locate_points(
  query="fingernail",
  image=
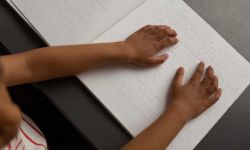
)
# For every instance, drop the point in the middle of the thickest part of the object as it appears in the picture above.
(166, 56)
(210, 68)
(174, 32)
(173, 40)
(181, 69)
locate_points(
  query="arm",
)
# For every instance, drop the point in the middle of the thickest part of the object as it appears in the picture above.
(10, 115)
(52, 62)
(186, 102)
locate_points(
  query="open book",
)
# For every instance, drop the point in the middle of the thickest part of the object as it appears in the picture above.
(137, 96)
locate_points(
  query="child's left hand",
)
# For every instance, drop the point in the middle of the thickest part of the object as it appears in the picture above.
(196, 96)
(146, 42)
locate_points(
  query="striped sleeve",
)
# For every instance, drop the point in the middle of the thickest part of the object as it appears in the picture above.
(29, 137)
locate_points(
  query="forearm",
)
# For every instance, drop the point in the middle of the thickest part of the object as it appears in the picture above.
(158, 135)
(52, 62)
(70, 60)
(186, 102)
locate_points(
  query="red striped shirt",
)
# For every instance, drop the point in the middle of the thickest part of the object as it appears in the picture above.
(29, 137)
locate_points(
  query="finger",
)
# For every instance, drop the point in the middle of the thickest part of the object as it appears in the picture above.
(153, 31)
(212, 87)
(209, 76)
(210, 72)
(167, 41)
(178, 77)
(154, 60)
(164, 27)
(160, 35)
(215, 82)
(168, 30)
(196, 78)
(209, 82)
(145, 28)
(163, 33)
(214, 98)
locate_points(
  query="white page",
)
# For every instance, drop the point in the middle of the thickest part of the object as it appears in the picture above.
(137, 96)
(16, 9)
(63, 22)
(137, 102)
(26, 20)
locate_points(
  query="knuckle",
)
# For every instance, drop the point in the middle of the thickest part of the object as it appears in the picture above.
(156, 45)
(168, 31)
(158, 27)
(147, 27)
(153, 61)
(194, 83)
(165, 27)
(199, 71)
(150, 26)
(195, 78)
(215, 85)
(207, 103)
(165, 32)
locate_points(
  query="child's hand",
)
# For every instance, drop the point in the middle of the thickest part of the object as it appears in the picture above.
(146, 42)
(193, 98)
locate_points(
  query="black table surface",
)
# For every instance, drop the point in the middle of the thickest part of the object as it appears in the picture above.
(230, 18)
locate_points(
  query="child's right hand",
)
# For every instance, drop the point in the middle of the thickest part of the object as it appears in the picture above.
(142, 45)
(193, 98)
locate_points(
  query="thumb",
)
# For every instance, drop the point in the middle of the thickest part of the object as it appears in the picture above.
(177, 81)
(154, 60)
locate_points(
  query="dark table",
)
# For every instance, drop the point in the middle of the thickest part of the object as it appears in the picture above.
(230, 18)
